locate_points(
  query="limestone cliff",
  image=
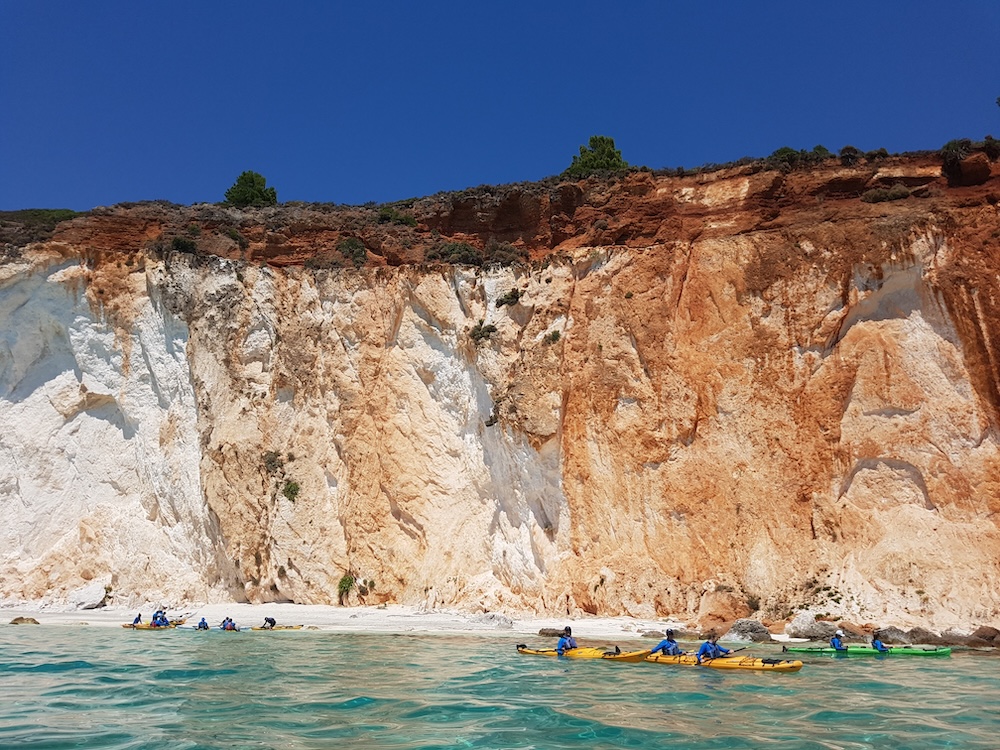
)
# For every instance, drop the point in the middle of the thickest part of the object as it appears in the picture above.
(740, 392)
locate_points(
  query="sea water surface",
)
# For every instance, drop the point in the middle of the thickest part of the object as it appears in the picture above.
(88, 687)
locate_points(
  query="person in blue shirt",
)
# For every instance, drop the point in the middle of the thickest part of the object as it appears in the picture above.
(138, 619)
(668, 645)
(711, 649)
(836, 643)
(203, 625)
(877, 643)
(566, 642)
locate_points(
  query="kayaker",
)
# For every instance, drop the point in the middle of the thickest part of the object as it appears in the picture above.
(137, 620)
(229, 624)
(836, 643)
(566, 642)
(668, 645)
(269, 623)
(877, 643)
(203, 625)
(711, 649)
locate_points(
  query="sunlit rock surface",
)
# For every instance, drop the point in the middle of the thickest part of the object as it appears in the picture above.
(741, 393)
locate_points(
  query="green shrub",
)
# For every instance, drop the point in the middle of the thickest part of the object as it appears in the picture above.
(991, 146)
(29, 225)
(952, 154)
(183, 245)
(600, 156)
(551, 337)
(42, 218)
(849, 156)
(786, 158)
(344, 587)
(353, 250)
(392, 215)
(250, 189)
(877, 155)
(458, 253)
(233, 234)
(291, 490)
(503, 253)
(482, 332)
(879, 195)
(273, 462)
(510, 298)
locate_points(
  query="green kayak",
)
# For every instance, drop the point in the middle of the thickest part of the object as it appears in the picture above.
(869, 651)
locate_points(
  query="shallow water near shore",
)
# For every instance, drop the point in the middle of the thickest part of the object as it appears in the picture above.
(64, 687)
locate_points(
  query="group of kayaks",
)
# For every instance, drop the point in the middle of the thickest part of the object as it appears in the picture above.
(180, 623)
(733, 660)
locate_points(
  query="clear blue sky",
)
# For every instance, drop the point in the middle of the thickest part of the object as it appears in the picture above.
(349, 102)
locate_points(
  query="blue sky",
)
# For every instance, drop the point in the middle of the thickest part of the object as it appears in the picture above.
(105, 102)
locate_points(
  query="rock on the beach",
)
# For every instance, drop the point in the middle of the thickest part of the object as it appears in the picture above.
(923, 635)
(986, 632)
(748, 630)
(24, 621)
(894, 635)
(496, 620)
(90, 597)
(550, 632)
(806, 625)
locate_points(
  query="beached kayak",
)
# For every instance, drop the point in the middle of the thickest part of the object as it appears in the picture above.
(869, 651)
(147, 626)
(730, 662)
(279, 627)
(584, 652)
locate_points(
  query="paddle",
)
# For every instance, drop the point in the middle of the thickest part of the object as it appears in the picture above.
(724, 656)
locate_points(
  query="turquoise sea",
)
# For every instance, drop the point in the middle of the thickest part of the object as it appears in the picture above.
(92, 687)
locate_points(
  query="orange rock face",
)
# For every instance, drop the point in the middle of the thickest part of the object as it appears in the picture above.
(716, 396)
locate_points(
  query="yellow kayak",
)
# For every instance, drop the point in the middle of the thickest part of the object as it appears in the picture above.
(587, 652)
(730, 662)
(147, 626)
(279, 627)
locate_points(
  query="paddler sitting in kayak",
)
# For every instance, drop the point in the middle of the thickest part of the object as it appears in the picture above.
(877, 643)
(203, 625)
(836, 643)
(566, 642)
(668, 646)
(711, 649)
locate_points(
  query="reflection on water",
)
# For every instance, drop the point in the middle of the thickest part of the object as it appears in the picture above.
(95, 687)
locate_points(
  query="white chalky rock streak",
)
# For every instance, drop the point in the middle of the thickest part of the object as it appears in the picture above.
(99, 474)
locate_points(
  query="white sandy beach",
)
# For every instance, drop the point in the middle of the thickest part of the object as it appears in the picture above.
(373, 619)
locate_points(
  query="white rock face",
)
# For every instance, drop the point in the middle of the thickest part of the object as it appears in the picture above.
(642, 434)
(100, 469)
